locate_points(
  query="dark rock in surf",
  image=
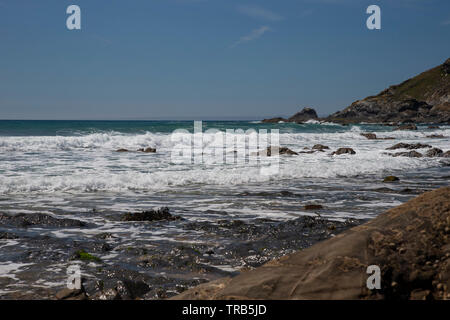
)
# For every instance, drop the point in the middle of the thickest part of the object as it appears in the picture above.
(147, 150)
(434, 152)
(409, 154)
(122, 150)
(33, 219)
(408, 146)
(410, 126)
(150, 215)
(320, 147)
(313, 207)
(343, 151)
(391, 179)
(279, 150)
(370, 136)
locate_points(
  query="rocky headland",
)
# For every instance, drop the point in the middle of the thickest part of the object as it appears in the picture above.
(424, 98)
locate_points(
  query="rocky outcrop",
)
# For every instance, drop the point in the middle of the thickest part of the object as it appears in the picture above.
(147, 150)
(343, 151)
(391, 179)
(38, 219)
(150, 215)
(373, 136)
(410, 244)
(320, 147)
(409, 126)
(434, 152)
(276, 150)
(424, 98)
(409, 154)
(302, 116)
(370, 136)
(410, 146)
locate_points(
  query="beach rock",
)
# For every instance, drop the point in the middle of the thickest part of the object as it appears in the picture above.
(410, 126)
(304, 115)
(147, 150)
(320, 147)
(408, 146)
(370, 136)
(281, 150)
(284, 150)
(436, 136)
(409, 154)
(434, 152)
(122, 150)
(108, 294)
(34, 219)
(391, 179)
(433, 127)
(71, 294)
(399, 241)
(343, 151)
(150, 215)
(130, 290)
(104, 235)
(313, 207)
(446, 154)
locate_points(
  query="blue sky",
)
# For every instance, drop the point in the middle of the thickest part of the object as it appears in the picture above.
(209, 59)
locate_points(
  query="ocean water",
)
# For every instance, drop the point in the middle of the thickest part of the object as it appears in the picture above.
(72, 165)
(71, 169)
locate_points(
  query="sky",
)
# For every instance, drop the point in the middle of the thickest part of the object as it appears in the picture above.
(209, 59)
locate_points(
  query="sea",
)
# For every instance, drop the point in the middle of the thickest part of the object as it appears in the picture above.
(71, 169)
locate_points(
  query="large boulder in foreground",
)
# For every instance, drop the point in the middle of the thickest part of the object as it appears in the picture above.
(410, 244)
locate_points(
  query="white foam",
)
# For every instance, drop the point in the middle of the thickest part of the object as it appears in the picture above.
(92, 165)
(9, 268)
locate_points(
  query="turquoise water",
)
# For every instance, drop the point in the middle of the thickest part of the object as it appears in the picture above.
(71, 127)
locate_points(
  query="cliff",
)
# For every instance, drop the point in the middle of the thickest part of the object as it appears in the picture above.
(424, 98)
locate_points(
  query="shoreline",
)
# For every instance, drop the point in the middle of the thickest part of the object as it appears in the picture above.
(410, 244)
(212, 230)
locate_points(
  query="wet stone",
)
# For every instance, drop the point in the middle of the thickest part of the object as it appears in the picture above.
(38, 219)
(150, 215)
